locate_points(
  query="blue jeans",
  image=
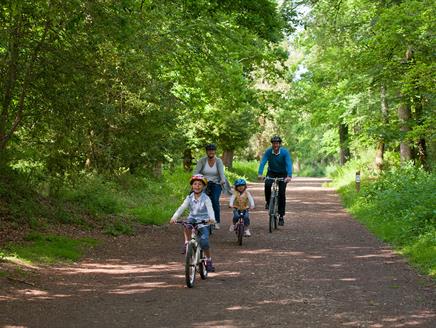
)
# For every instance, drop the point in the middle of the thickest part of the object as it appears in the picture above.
(204, 237)
(214, 192)
(236, 217)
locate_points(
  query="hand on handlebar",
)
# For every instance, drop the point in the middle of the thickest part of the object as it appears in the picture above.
(288, 179)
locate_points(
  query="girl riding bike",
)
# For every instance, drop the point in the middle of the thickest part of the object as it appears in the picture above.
(241, 200)
(200, 209)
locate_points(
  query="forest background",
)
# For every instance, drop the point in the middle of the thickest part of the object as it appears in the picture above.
(103, 102)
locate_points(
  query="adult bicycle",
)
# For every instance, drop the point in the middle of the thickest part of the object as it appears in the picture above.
(273, 206)
(195, 261)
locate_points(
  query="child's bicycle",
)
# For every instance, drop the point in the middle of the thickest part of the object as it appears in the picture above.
(239, 226)
(194, 258)
(274, 203)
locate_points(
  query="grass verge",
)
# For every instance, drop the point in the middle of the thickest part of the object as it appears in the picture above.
(399, 208)
(48, 249)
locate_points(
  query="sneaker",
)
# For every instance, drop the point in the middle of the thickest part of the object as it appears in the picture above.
(209, 266)
(266, 206)
(247, 233)
(232, 228)
(217, 226)
(281, 220)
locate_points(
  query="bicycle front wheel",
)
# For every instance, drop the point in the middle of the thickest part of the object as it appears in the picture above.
(272, 214)
(240, 233)
(190, 266)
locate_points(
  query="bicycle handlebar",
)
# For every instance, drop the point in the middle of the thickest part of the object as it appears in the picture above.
(278, 179)
(192, 224)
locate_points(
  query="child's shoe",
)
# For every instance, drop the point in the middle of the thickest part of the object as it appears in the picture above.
(247, 233)
(217, 226)
(232, 228)
(209, 266)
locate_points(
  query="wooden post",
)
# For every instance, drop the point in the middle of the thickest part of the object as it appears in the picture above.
(358, 181)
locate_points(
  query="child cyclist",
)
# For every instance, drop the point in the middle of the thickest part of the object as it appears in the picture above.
(241, 200)
(200, 209)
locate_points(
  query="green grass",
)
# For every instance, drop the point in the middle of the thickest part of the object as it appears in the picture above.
(47, 248)
(399, 208)
(243, 169)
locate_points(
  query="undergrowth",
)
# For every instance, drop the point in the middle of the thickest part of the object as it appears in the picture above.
(398, 207)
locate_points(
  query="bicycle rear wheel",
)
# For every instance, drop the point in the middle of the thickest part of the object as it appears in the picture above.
(202, 266)
(239, 232)
(190, 266)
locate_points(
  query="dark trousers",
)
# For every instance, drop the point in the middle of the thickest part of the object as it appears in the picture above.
(282, 191)
(214, 192)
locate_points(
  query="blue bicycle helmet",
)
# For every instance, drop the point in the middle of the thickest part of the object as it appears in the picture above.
(240, 182)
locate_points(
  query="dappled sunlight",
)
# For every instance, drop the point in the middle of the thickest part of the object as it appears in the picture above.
(217, 324)
(119, 269)
(143, 287)
(412, 320)
(277, 253)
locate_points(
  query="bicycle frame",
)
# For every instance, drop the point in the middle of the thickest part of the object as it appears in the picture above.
(273, 203)
(240, 226)
(194, 258)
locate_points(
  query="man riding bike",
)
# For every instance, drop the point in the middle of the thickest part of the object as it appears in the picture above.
(279, 166)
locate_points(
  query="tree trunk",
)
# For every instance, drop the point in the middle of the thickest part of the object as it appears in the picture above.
(344, 151)
(421, 146)
(158, 169)
(404, 115)
(228, 158)
(187, 160)
(379, 155)
(297, 165)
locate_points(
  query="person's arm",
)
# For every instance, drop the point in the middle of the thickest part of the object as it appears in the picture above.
(288, 161)
(251, 200)
(180, 210)
(210, 211)
(232, 200)
(199, 166)
(263, 162)
(220, 167)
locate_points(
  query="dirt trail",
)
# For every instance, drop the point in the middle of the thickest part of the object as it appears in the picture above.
(322, 269)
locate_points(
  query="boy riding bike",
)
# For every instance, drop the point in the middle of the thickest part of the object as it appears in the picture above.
(200, 209)
(241, 200)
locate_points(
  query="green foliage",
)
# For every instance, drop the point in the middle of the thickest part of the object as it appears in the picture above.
(43, 248)
(243, 169)
(399, 207)
(108, 86)
(94, 194)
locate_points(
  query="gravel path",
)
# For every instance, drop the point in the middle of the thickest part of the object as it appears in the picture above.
(322, 269)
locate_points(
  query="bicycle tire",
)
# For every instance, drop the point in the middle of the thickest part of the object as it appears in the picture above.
(190, 266)
(202, 266)
(276, 213)
(240, 233)
(272, 214)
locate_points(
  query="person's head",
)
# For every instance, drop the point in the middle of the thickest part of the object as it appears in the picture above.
(240, 185)
(198, 182)
(211, 150)
(276, 142)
